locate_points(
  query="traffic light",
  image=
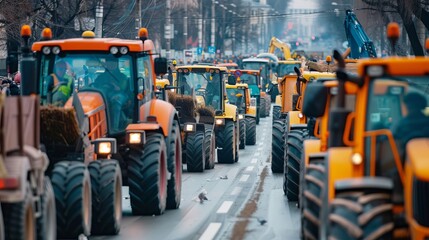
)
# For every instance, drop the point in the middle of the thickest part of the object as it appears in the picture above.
(12, 63)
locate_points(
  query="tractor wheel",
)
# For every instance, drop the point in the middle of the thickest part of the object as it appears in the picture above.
(19, 218)
(237, 142)
(210, 147)
(46, 223)
(267, 106)
(72, 189)
(195, 152)
(106, 189)
(147, 177)
(174, 166)
(311, 200)
(361, 215)
(263, 108)
(295, 143)
(242, 134)
(250, 131)
(276, 112)
(277, 145)
(225, 140)
(258, 115)
(2, 233)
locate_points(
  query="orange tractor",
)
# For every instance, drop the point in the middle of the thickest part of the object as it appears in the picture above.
(374, 180)
(118, 132)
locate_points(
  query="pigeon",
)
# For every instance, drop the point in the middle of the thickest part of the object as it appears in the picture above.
(202, 196)
(262, 221)
(224, 177)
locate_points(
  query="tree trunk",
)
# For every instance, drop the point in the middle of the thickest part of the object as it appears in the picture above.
(410, 28)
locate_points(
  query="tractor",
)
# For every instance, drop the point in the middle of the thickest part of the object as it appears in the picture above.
(253, 80)
(109, 133)
(26, 194)
(239, 95)
(375, 180)
(205, 86)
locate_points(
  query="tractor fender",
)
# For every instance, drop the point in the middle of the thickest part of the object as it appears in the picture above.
(295, 121)
(278, 100)
(231, 112)
(164, 114)
(251, 111)
(311, 146)
(16, 166)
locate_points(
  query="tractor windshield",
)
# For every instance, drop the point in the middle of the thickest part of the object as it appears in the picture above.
(203, 82)
(286, 69)
(259, 66)
(237, 96)
(250, 79)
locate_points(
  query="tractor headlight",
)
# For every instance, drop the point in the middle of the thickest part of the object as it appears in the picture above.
(105, 146)
(240, 116)
(300, 115)
(56, 50)
(375, 71)
(357, 159)
(136, 137)
(190, 127)
(123, 50)
(46, 50)
(220, 121)
(114, 50)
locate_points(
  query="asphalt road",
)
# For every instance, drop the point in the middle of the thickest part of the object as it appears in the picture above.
(245, 201)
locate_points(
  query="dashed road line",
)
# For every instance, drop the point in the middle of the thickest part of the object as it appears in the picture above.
(249, 168)
(236, 191)
(224, 208)
(257, 154)
(244, 178)
(254, 160)
(211, 231)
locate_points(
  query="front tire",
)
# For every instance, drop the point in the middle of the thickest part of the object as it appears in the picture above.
(20, 220)
(251, 131)
(195, 152)
(263, 108)
(210, 147)
(46, 224)
(295, 143)
(174, 162)
(106, 189)
(225, 140)
(276, 112)
(277, 152)
(242, 134)
(147, 171)
(72, 189)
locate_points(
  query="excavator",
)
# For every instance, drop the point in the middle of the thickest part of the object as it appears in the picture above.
(360, 45)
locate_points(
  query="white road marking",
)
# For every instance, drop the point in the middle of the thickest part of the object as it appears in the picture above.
(244, 178)
(236, 191)
(254, 160)
(260, 148)
(211, 231)
(249, 168)
(257, 154)
(224, 208)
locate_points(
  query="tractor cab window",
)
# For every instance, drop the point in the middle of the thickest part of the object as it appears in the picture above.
(236, 96)
(287, 69)
(144, 76)
(259, 66)
(250, 79)
(203, 82)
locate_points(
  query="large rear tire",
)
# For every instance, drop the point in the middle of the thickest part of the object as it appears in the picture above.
(361, 215)
(312, 200)
(72, 189)
(174, 165)
(20, 219)
(250, 131)
(147, 177)
(210, 147)
(2, 233)
(267, 105)
(277, 147)
(195, 152)
(242, 134)
(295, 143)
(225, 140)
(46, 224)
(263, 108)
(106, 189)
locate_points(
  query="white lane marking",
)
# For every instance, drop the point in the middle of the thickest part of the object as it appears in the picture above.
(224, 208)
(260, 148)
(257, 154)
(249, 168)
(261, 143)
(244, 178)
(254, 160)
(236, 191)
(211, 231)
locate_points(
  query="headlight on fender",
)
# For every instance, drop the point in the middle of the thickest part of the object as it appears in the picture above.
(136, 137)
(240, 116)
(220, 121)
(300, 115)
(105, 146)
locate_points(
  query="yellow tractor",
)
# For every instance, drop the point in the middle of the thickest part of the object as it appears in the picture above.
(239, 95)
(204, 85)
(111, 131)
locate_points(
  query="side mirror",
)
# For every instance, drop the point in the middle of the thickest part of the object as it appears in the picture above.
(316, 97)
(232, 80)
(160, 66)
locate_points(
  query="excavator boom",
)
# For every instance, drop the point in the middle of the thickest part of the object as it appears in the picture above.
(360, 44)
(284, 47)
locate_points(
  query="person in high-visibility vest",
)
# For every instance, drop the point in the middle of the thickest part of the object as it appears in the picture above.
(62, 84)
